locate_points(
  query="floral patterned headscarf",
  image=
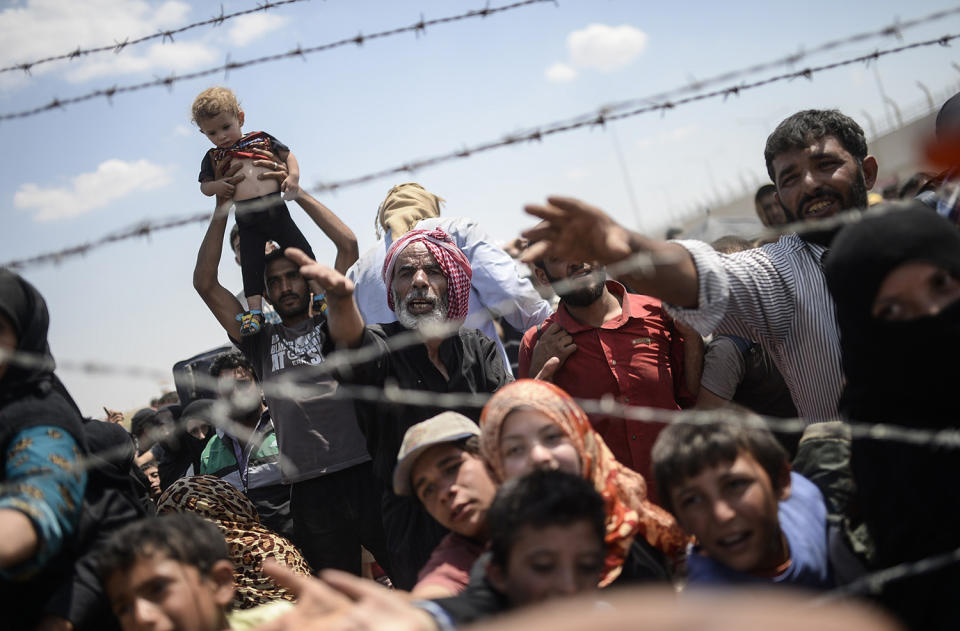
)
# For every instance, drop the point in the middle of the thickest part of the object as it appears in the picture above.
(624, 491)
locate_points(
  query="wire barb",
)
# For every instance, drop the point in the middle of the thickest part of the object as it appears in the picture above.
(163, 35)
(607, 113)
(357, 40)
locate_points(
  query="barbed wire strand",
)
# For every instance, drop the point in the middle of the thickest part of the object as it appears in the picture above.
(299, 52)
(162, 35)
(294, 387)
(894, 29)
(874, 582)
(597, 118)
(223, 410)
(608, 114)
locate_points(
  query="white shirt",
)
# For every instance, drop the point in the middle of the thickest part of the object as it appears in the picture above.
(496, 285)
(776, 295)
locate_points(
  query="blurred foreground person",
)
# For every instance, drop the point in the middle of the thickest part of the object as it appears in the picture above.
(65, 480)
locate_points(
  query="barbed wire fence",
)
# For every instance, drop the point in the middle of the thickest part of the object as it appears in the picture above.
(163, 35)
(597, 118)
(292, 386)
(299, 385)
(299, 52)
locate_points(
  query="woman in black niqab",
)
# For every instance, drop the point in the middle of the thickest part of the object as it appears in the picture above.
(903, 371)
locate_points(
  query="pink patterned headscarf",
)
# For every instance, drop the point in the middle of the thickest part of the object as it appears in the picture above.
(453, 262)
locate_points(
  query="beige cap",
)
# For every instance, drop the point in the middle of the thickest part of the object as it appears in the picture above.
(446, 427)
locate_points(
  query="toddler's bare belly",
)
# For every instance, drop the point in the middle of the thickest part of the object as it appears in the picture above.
(250, 187)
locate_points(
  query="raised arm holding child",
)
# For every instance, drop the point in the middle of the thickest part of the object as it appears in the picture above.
(261, 212)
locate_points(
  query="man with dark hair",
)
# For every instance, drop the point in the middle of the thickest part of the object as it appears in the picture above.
(427, 280)
(768, 207)
(244, 452)
(775, 295)
(612, 343)
(440, 464)
(333, 496)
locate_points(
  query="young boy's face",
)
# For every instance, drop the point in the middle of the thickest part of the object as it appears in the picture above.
(551, 561)
(223, 130)
(732, 511)
(160, 594)
(455, 488)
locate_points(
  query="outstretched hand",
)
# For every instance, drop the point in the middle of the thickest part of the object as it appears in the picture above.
(335, 284)
(317, 604)
(340, 601)
(573, 230)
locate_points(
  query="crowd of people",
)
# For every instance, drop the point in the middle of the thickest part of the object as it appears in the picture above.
(427, 437)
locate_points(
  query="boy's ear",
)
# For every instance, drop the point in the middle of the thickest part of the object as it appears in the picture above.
(240, 118)
(497, 577)
(783, 482)
(221, 574)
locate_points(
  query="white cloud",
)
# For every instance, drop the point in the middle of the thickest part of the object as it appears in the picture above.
(247, 28)
(599, 47)
(113, 180)
(561, 73)
(42, 28)
(606, 48)
(184, 130)
(163, 57)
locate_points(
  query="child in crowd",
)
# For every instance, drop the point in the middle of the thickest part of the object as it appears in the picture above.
(261, 213)
(440, 463)
(174, 572)
(728, 483)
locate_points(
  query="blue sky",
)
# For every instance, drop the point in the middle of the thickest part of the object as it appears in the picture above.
(79, 173)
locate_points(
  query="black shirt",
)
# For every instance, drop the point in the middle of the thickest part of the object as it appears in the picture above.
(473, 363)
(471, 359)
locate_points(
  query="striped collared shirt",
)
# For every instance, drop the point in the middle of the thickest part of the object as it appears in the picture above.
(776, 295)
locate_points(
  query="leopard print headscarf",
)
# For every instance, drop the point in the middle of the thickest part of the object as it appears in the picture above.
(248, 541)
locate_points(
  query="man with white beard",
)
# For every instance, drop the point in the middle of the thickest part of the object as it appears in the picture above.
(428, 284)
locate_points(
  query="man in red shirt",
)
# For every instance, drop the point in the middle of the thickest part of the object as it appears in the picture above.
(611, 343)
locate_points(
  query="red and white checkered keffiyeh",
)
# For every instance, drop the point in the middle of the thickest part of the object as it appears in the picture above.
(453, 262)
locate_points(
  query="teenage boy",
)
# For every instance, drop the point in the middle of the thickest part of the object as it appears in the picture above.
(174, 573)
(728, 483)
(439, 462)
(546, 540)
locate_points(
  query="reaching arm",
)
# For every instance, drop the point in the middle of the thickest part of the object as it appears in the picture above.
(575, 231)
(290, 186)
(221, 302)
(343, 316)
(343, 238)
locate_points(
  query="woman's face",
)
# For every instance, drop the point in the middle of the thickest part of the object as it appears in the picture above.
(913, 290)
(530, 440)
(8, 340)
